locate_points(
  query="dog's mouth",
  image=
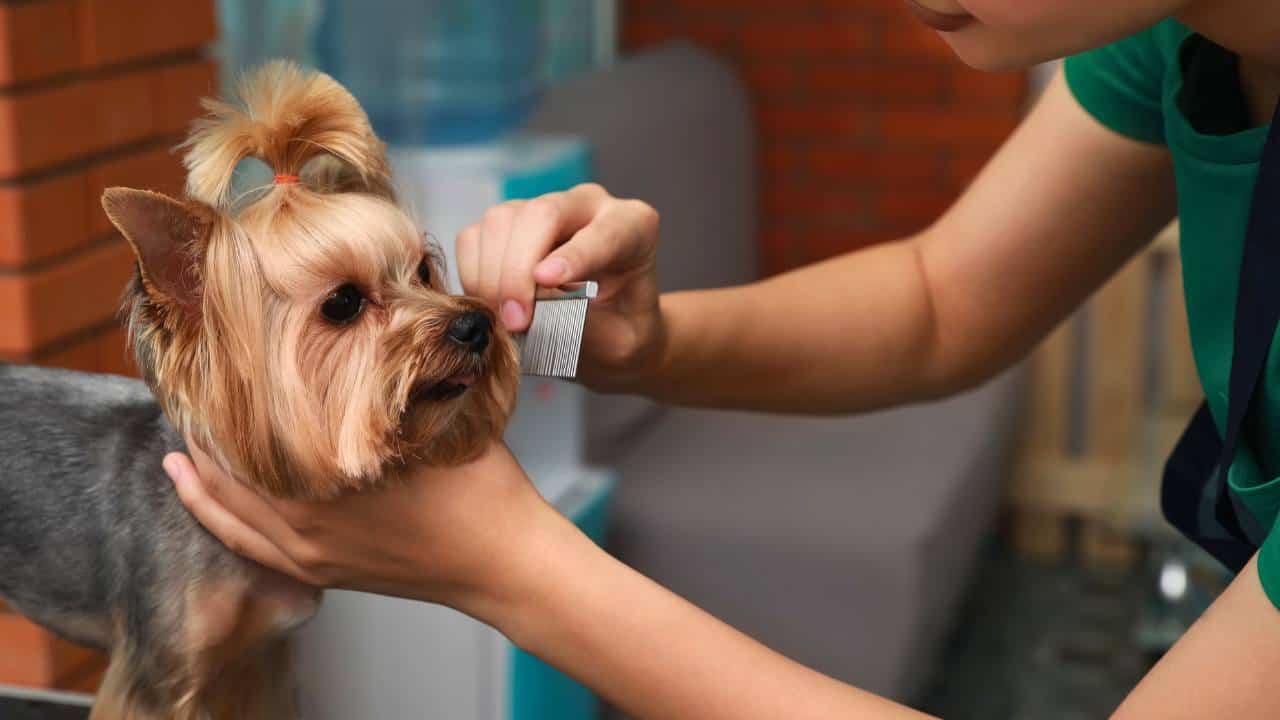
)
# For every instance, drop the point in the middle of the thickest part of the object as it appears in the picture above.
(452, 387)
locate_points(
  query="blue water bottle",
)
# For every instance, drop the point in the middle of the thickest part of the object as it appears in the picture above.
(437, 72)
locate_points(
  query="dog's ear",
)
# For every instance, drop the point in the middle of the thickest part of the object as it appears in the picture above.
(169, 237)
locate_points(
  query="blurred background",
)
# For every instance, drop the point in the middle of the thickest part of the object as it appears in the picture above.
(996, 555)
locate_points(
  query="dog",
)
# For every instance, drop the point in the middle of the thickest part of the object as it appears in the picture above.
(302, 338)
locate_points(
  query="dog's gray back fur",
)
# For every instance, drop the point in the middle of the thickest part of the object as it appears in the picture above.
(90, 525)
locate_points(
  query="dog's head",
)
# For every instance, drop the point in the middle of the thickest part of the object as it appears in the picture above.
(306, 339)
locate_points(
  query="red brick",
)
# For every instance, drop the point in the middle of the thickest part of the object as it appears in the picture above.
(47, 38)
(157, 169)
(911, 210)
(639, 34)
(917, 42)
(86, 677)
(125, 109)
(950, 127)
(814, 36)
(114, 31)
(178, 91)
(881, 82)
(715, 36)
(864, 9)
(784, 160)
(781, 251)
(854, 99)
(772, 253)
(847, 121)
(52, 215)
(81, 292)
(820, 244)
(102, 352)
(963, 167)
(634, 10)
(15, 325)
(738, 7)
(878, 167)
(24, 652)
(42, 218)
(44, 127)
(41, 128)
(113, 353)
(783, 201)
(1000, 89)
(81, 355)
(31, 656)
(771, 79)
(37, 40)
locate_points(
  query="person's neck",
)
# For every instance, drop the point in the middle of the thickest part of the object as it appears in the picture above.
(1251, 29)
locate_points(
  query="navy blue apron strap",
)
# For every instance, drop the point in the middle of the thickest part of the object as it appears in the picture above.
(1257, 314)
(1189, 492)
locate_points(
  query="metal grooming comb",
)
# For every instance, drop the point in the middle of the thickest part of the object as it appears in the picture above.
(550, 347)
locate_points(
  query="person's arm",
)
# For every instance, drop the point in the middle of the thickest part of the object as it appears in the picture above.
(1223, 667)
(531, 574)
(1061, 206)
(656, 655)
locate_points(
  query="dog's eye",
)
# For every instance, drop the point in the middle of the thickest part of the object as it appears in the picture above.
(424, 270)
(343, 305)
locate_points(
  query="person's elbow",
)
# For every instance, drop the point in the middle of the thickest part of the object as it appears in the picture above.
(957, 349)
(965, 356)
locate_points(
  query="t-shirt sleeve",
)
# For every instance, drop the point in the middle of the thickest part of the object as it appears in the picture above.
(1121, 85)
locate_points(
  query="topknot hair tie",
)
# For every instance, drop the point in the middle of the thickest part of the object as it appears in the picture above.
(286, 179)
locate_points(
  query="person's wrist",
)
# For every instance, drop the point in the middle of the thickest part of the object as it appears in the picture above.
(656, 364)
(525, 599)
(634, 360)
(659, 366)
(480, 573)
(652, 363)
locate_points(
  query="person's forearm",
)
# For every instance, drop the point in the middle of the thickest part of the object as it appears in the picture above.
(655, 655)
(851, 334)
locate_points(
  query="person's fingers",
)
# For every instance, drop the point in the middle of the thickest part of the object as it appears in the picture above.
(238, 536)
(533, 233)
(495, 235)
(623, 237)
(246, 504)
(540, 225)
(467, 251)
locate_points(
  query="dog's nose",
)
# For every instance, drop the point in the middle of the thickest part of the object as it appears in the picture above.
(471, 330)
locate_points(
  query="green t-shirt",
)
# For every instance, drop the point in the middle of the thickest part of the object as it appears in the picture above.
(1171, 86)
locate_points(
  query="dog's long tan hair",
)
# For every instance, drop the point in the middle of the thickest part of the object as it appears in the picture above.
(232, 342)
(287, 118)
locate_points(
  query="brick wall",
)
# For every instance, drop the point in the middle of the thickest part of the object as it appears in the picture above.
(93, 93)
(869, 127)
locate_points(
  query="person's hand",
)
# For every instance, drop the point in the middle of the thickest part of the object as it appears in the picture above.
(457, 536)
(582, 234)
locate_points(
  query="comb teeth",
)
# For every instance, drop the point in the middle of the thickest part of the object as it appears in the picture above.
(550, 347)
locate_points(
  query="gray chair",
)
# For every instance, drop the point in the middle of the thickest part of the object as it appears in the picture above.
(842, 542)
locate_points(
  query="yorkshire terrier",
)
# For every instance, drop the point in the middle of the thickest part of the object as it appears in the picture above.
(303, 339)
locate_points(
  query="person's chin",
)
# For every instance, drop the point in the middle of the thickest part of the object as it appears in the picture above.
(981, 48)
